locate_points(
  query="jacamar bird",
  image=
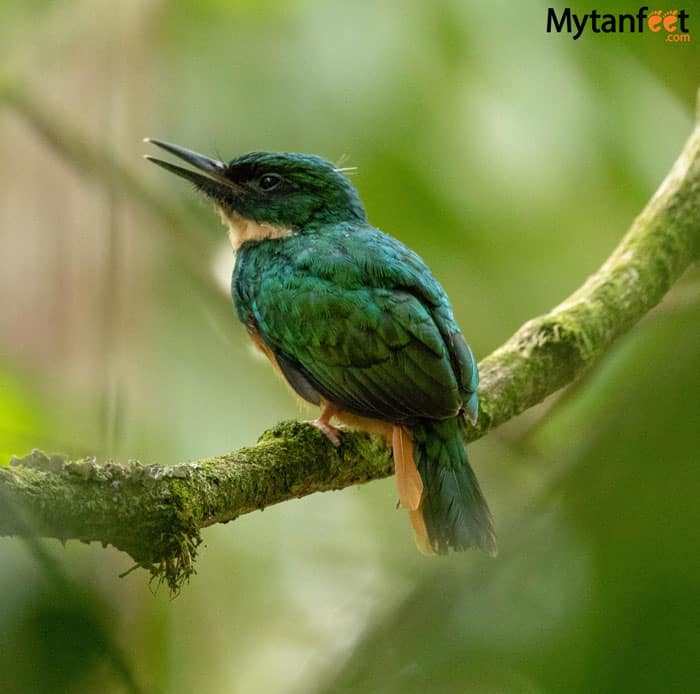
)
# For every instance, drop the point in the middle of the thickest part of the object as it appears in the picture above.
(356, 323)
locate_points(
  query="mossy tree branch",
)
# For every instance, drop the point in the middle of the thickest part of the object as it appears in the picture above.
(155, 513)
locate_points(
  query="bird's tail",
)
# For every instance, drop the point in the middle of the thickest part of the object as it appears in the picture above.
(452, 512)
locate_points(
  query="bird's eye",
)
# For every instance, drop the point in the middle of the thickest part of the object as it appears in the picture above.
(269, 182)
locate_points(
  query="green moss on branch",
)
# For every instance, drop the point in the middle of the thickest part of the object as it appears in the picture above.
(155, 512)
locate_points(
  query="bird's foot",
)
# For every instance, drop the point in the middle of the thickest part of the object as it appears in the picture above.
(328, 430)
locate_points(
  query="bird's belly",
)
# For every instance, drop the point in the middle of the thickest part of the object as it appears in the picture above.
(368, 424)
(295, 380)
(259, 344)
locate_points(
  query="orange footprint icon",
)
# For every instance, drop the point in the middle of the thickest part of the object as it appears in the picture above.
(670, 20)
(655, 20)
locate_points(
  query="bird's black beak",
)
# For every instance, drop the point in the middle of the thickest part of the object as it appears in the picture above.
(215, 184)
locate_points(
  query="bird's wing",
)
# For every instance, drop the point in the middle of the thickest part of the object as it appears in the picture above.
(406, 269)
(362, 329)
(373, 352)
(414, 272)
(468, 373)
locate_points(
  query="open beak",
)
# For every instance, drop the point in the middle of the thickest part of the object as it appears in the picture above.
(215, 184)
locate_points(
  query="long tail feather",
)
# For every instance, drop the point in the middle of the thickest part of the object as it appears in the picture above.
(454, 512)
(408, 479)
(420, 532)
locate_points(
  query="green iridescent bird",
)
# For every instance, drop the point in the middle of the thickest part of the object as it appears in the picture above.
(356, 323)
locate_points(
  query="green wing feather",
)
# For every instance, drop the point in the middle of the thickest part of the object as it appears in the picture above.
(362, 319)
(370, 351)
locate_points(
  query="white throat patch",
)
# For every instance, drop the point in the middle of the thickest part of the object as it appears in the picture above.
(241, 229)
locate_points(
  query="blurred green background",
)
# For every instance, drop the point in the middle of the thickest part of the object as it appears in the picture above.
(512, 160)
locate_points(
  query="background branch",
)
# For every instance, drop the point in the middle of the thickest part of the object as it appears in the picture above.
(155, 513)
(100, 165)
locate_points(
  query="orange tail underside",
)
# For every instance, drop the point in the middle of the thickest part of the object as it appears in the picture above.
(408, 479)
(410, 484)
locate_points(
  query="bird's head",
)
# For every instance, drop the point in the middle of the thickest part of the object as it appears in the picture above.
(263, 194)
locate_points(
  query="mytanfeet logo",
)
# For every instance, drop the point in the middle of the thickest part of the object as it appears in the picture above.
(672, 24)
